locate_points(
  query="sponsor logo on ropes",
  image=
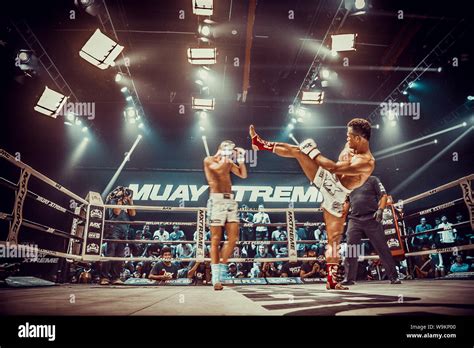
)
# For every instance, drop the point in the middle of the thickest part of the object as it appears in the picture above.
(95, 224)
(50, 204)
(387, 222)
(18, 210)
(201, 225)
(4, 154)
(94, 235)
(96, 213)
(194, 193)
(290, 221)
(393, 243)
(92, 248)
(389, 231)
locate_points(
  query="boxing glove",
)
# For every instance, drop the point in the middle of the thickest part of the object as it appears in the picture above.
(309, 147)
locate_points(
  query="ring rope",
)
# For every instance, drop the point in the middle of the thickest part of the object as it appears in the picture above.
(435, 209)
(436, 229)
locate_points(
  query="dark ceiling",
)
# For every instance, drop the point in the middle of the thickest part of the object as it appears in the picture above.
(156, 40)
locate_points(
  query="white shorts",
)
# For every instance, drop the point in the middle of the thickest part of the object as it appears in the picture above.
(334, 194)
(221, 208)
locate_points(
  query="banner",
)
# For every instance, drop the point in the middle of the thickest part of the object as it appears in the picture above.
(391, 229)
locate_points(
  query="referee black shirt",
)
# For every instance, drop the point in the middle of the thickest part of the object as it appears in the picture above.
(364, 201)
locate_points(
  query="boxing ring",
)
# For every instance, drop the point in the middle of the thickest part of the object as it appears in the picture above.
(241, 296)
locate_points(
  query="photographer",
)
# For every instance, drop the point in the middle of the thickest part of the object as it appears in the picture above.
(110, 270)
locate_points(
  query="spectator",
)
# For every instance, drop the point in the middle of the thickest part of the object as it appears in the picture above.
(262, 252)
(249, 250)
(320, 235)
(424, 267)
(261, 232)
(256, 271)
(291, 269)
(111, 270)
(301, 234)
(269, 270)
(280, 249)
(376, 271)
(447, 238)
(234, 271)
(421, 240)
(437, 263)
(207, 235)
(276, 234)
(311, 268)
(162, 234)
(184, 251)
(459, 265)
(139, 271)
(164, 270)
(138, 249)
(246, 233)
(437, 222)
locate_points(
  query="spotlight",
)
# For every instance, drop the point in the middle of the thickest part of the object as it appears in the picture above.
(204, 29)
(199, 82)
(26, 61)
(92, 7)
(440, 69)
(411, 84)
(300, 119)
(391, 115)
(435, 141)
(300, 112)
(100, 50)
(325, 73)
(141, 125)
(470, 97)
(50, 103)
(393, 123)
(377, 126)
(203, 7)
(359, 4)
(124, 89)
(129, 98)
(293, 120)
(70, 116)
(315, 97)
(464, 124)
(118, 77)
(78, 122)
(202, 55)
(203, 104)
(324, 83)
(130, 114)
(203, 115)
(84, 129)
(291, 126)
(343, 42)
(290, 135)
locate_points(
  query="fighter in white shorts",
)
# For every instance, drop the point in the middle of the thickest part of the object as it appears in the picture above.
(334, 179)
(222, 209)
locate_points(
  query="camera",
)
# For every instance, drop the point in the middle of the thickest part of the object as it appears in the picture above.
(120, 193)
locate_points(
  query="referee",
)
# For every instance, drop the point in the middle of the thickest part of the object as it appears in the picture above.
(365, 206)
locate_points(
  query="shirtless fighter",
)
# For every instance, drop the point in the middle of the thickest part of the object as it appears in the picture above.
(222, 209)
(335, 180)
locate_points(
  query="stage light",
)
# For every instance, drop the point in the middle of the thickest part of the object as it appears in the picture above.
(203, 7)
(391, 114)
(324, 83)
(343, 42)
(203, 103)
(334, 53)
(118, 77)
(141, 125)
(26, 61)
(124, 89)
(393, 123)
(300, 112)
(50, 103)
(440, 69)
(300, 119)
(203, 115)
(294, 120)
(100, 50)
(316, 97)
(202, 55)
(291, 126)
(404, 92)
(325, 73)
(359, 4)
(78, 122)
(464, 124)
(85, 129)
(199, 82)
(92, 7)
(204, 29)
(130, 114)
(129, 98)
(470, 97)
(411, 84)
(377, 126)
